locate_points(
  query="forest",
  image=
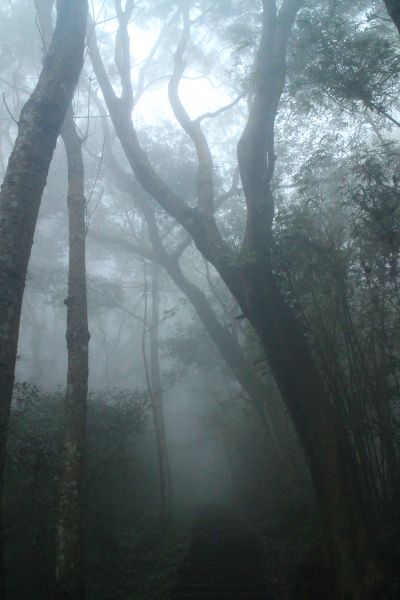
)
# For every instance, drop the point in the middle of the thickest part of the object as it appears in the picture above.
(200, 299)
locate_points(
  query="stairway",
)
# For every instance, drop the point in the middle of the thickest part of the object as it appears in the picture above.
(223, 561)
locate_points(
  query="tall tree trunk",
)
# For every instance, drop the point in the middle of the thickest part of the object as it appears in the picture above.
(157, 398)
(38, 128)
(318, 425)
(317, 421)
(69, 571)
(69, 561)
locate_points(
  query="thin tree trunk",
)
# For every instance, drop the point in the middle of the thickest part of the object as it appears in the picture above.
(36, 373)
(38, 128)
(266, 403)
(157, 398)
(69, 579)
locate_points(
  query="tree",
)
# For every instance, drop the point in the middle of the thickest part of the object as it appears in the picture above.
(266, 401)
(39, 126)
(249, 274)
(69, 560)
(156, 398)
(393, 8)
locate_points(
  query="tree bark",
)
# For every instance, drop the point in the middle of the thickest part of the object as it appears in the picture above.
(38, 128)
(69, 576)
(317, 422)
(69, 571)
(393, 8)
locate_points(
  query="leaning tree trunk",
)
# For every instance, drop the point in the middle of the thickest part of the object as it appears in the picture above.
(69, 572)
(266, 401)
(157, 399)
(318, 425)
(69, 580)
(393, 8)
(38, 128)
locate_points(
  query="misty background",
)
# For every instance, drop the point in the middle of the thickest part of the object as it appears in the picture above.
(335, 255)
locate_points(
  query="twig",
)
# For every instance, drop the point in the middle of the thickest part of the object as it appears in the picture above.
(8, 110)
(216, 113)
(88, 216)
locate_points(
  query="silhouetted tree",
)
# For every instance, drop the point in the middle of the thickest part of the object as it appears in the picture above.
(39, 126)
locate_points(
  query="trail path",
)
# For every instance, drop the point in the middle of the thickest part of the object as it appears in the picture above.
(223, 561)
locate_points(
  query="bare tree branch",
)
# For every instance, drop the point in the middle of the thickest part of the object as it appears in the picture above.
(205, 183)
(219, 111)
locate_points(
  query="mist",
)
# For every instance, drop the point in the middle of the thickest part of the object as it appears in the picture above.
(199, 299)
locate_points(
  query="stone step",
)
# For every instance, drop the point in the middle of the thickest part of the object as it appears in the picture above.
(220, 595)
(223, 569)
(223, 561)
(220, 587)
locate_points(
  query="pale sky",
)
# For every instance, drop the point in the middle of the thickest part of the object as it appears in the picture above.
(198, 96)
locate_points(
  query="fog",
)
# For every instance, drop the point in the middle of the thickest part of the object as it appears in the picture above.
(199, 299)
